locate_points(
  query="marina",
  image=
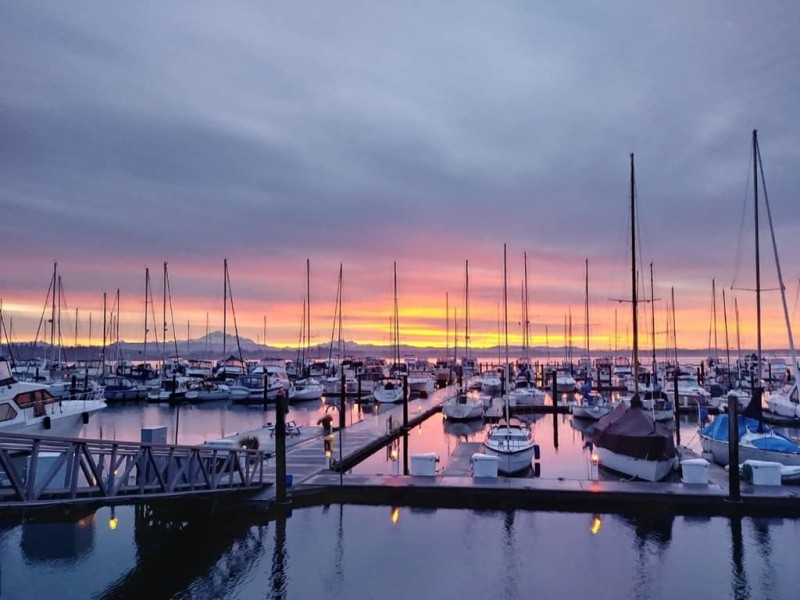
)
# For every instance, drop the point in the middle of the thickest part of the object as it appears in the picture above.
(388, 301)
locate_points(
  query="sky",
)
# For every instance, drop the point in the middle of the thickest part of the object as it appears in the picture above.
(365, 134)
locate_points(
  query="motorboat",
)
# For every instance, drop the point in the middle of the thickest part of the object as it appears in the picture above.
(304, 390)
(27, 407)
(207, 391)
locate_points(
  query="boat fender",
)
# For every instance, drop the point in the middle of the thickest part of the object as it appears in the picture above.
(85, 417)
(536, 453)
(47, 423)
(537, 469)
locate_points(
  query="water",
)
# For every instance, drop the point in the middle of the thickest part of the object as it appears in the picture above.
(353, 552)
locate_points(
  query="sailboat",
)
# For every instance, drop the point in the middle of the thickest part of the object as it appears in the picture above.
(510, 440)
(653, 398)
(758, 441)
(591, 404)
(629, 440)
(305, 387)
(524, 391)
(465, 405)
(390, 390)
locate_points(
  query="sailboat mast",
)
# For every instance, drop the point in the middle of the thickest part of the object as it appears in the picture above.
(396, 321)
(634, 295)
(447, 323)
(527, 338)
(653, 321)
(341, 301)
(466, 313)
(586, 313)
(164, 326)
(76, 334)
(758, 256)
(224, 307)
(53, 314)
(714, 310)
(674, 327)
(738, 343)
(146, 296)
(727, 345)
(103, 351)
(778, 266)
(505, 316)
(308, 310)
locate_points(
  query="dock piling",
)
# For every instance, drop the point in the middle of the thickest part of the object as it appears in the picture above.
(734, 493)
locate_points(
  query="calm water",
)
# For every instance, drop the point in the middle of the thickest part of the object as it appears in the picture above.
(381, 552)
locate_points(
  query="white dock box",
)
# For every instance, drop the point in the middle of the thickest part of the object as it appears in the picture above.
(695, 470)
(762, 472)
(424, 464)
(484, 465)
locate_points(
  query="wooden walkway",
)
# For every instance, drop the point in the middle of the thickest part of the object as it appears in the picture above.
(305, 452)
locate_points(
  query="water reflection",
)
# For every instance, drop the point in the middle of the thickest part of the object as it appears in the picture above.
(653, 533)
(463, 429)
(762, 528)
(739, 587)
(278, 579)
(175, 552)
(47, 539)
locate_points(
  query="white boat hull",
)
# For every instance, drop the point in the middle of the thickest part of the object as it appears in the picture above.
(64, 421)
(456, 411)
(511, 462)
(526, 397)
(391, 396)
(649, 470)
(207, 396)
(582, 411)
(719, 452)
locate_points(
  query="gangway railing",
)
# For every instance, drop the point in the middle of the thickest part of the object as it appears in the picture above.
(38, 470)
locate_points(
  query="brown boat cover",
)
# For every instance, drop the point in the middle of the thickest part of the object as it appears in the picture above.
(633, 432)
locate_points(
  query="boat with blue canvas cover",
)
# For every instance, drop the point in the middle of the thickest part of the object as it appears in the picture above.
(757, 441)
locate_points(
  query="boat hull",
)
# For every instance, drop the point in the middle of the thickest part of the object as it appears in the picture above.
(511, 463)
(649, 470)
(582, 411)
(67, 423)
(719, 452)
(458, 411)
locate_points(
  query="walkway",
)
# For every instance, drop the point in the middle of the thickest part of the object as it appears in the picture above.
(305, 452)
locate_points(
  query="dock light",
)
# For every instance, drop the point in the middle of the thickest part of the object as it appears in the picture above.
(393, 455)
(595, 459)
(395, 514)
(596, 523)
(113, 521)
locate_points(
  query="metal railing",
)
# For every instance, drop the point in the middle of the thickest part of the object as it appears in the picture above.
(46, 470)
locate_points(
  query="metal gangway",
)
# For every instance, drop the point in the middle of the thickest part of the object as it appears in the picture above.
(40, 471)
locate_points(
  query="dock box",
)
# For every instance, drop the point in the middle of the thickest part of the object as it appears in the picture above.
(484, 465)
(762, 472)
(424, 464)
(695, 470)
